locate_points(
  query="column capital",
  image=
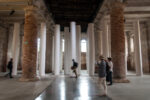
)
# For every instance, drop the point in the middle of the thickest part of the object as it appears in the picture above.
(30, 8)
(117, 4)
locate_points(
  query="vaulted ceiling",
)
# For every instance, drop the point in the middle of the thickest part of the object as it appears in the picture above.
(80, 11)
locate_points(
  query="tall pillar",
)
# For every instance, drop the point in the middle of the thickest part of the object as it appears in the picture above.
(49, 41)
(73, 39)
(53, 55)
(29, 45)
(42, 49)
(67, 60)
(57, 50)
(78, 47)
(16, 47)
(61, 53)
(105, 40)
(100, 42)
(137, 46)
(91, 49)
(118, 40)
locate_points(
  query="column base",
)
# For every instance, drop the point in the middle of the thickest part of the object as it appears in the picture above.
(121, 81)
(29, 79)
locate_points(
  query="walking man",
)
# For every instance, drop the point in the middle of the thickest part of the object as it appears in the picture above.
(74, 67)
(10, 67)
(102, 74)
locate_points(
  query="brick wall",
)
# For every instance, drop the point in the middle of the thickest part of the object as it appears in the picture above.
(3, 48)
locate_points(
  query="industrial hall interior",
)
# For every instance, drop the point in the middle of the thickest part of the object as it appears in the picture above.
(74, 49)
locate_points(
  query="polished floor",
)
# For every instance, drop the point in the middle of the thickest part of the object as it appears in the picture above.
(66, 88)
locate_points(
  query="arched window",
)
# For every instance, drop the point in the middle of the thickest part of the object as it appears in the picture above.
(83, 45)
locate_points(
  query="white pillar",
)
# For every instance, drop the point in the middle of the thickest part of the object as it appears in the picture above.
(91, 49)
(73, 40)
(100, 42)
(105, 40)
(15, 47)
(42, 49)
(57, 50)
(53, 54)
(126, 52)
(137, 45)
(78, 47)
(109, 41)
(67, 58)
(61, 53)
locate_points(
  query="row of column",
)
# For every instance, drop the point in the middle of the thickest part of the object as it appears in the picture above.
(72, 48)
(73, 45)
(114, 44)
(29, 58)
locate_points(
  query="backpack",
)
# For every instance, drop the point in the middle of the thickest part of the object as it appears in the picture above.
(75, 64)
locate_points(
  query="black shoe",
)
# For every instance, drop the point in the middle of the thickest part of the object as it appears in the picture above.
(109, 84)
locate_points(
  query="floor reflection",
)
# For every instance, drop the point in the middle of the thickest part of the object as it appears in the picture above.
(65, 88)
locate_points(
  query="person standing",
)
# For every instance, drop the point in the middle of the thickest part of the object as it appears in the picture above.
(10, 67)
(110, 64)
(102, 74)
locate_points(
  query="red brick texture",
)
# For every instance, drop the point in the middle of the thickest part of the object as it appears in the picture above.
(118, 39)
(29, 45)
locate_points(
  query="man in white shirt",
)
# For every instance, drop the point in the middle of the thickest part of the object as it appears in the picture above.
(110, 64)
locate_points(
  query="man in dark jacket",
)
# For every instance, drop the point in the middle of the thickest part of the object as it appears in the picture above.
(102, 74)
(10, 67)
(74, 67)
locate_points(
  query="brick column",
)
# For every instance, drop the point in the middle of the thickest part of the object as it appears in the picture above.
(29, 45)
(118, 40)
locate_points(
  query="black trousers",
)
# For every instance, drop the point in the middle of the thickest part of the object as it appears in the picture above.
(110, 77)
(10, 72)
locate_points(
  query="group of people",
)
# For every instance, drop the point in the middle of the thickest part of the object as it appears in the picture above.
(105, 72)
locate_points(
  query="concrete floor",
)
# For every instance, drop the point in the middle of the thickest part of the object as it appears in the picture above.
(12, 89)
(66, 88)
(85, 88)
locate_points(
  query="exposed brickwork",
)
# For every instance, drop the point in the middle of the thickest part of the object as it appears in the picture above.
(29, 45)
(144, 47)
(3, 48)
(118, 39)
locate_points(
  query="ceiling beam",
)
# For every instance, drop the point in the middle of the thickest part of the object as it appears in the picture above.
(12, 7)
(6, 1)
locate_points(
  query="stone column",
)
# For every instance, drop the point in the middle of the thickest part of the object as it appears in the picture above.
(105, 40)
(137, 46)
(66, 53)
(118, 40)
(49, 41)
(42, 49)
(91, 49)
(100, 42)
(78, 47)
(61, 53)
(148, 41)
(29, 45)
(57, 50)
(109, 41)
(53, 55)
(16, 47)
(73, 40)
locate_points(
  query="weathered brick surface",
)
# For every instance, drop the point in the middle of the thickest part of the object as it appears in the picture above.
(29, 45)
(118, 39)
(144, 47)
(3, 48)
